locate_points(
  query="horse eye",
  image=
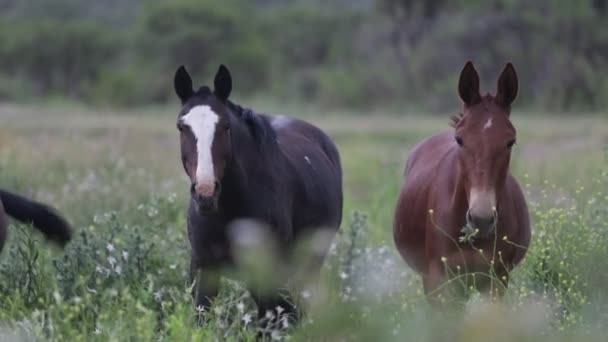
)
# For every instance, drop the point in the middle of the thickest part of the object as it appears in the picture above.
(511, 143)
(459, 141)
(180, 126)
(227, 127)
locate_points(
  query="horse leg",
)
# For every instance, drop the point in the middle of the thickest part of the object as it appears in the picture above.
(440, 290)
(434, 282)
(3, 226)
(494, 286)
(308, 265)
(276, 310)
(210, 253)
(205, 279)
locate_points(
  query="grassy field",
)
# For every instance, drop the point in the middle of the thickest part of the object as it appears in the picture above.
(118, 177)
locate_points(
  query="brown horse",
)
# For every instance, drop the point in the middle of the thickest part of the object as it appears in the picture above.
(42, 217)
(458, 182)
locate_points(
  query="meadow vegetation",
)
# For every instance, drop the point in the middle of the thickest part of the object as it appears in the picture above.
(118, 178)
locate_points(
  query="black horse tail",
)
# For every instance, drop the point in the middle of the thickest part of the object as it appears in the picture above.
(44, 218)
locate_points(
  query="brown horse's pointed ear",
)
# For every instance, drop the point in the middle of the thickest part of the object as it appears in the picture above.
(507, 86)
(183, 84)
(468, 85)
(222, 83)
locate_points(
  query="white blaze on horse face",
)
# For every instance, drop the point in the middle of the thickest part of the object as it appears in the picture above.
(488, 124)
(202, 121)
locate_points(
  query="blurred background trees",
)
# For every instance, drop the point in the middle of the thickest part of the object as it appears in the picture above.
(351, 54)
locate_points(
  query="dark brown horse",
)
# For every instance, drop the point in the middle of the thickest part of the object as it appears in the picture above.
(42, 217)
(461, 218)
(281, 172)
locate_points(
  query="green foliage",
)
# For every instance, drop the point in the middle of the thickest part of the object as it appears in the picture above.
(123, 87)
(358, 54)
(202, 34)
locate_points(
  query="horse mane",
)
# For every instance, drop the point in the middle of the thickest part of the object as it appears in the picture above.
(259, 127)
(204, 91)
(455, 119)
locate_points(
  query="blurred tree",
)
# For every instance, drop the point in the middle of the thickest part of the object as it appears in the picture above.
(56, 56)
(357, 53)
(202, 34)
(410, 20)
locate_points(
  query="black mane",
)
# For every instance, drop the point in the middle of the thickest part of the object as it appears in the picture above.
(258, 125)
(203, 91)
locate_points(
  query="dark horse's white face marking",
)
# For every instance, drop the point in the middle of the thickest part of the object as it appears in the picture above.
(205, 141)
(202, 122)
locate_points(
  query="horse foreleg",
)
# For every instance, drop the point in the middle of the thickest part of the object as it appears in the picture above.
(276, 310)
(434, 282)
(495, 285)
(441, 289)
(3, 226)
(205, 280)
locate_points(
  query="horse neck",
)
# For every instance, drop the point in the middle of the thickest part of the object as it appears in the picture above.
(456, 185)
(252, 163)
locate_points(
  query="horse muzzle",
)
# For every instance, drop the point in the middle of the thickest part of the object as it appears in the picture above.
(206, 202)
(485, 223)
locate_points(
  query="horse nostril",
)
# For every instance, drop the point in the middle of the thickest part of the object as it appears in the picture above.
(217, 187)
(192, 188)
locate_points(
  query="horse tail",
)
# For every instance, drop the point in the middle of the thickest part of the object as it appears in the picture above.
(44, 218)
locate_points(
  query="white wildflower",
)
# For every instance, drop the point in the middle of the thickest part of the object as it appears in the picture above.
(110, 247)
(306, 294)
(112, 260)
(218, 310)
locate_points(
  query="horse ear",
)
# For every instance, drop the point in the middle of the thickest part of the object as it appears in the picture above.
(222, 83)
(468, 85)
(507, 86)
(183, 84)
